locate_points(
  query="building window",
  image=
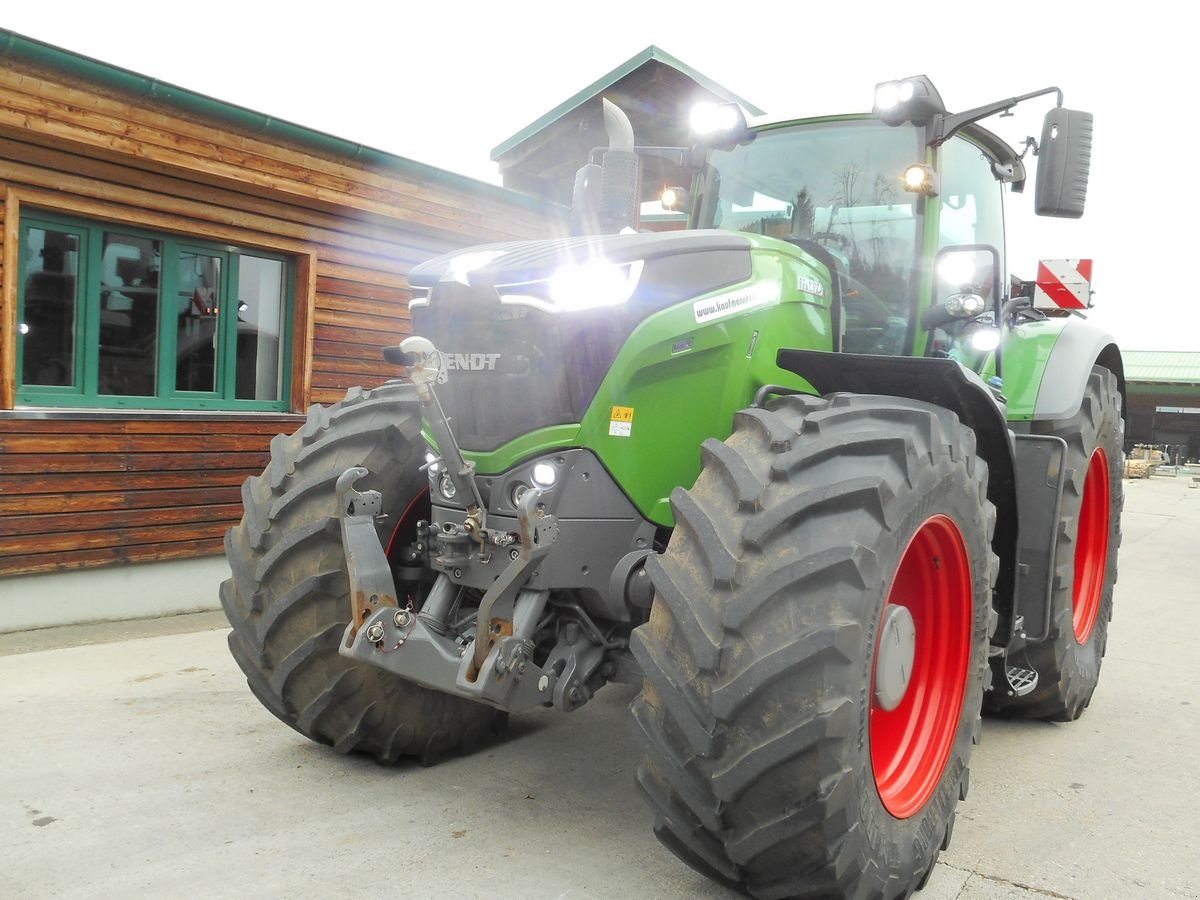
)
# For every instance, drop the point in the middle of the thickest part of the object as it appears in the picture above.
(110, 316)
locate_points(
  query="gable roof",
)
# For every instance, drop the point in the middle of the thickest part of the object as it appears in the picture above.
(604, 82)
(130, 83)
(1162, 366)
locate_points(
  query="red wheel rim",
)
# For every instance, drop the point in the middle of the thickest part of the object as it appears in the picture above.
(418, 508)
(1091, 547)
(911, 743)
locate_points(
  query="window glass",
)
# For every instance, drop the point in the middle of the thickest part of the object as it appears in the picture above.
(116, 316)
(972, 211)
(260, 317)
(836, 185)
(129, 270)
(197, 312)
(51, 303)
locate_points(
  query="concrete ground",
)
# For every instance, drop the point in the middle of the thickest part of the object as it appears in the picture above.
(137, 764)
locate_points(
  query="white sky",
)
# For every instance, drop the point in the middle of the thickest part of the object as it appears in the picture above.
(445, 82)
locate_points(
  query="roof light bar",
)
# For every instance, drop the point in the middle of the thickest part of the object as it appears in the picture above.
(912, 99)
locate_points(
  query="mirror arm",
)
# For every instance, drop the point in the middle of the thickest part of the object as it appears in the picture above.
(945, 126)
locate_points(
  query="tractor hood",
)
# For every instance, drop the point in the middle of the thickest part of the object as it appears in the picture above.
(531, 328)
(529, 261)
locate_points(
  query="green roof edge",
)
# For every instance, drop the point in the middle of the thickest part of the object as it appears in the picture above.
(1180, 367)
(127, 81)
(606, 81)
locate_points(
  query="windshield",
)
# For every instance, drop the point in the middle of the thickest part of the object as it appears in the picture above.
(837, 184)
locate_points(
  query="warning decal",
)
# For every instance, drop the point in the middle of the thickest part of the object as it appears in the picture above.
(1064, 283)
(621, 421)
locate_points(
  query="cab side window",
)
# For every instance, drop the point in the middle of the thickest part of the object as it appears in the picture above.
(971, 209)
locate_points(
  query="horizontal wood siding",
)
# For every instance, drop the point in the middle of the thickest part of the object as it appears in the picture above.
(91, 490)
(87, 492)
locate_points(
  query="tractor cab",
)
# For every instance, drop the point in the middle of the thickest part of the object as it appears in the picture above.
(904, 206)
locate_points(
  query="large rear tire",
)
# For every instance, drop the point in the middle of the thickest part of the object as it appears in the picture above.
(1085, 562)
(288, 600)
(775, 763)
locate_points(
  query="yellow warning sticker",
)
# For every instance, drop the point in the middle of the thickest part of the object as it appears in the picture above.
(621, 421)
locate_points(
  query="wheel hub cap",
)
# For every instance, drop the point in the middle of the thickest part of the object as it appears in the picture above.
(894, 659)
(922, 657)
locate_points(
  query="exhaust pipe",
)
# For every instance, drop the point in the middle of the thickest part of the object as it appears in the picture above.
(619, 181)
(605, 198)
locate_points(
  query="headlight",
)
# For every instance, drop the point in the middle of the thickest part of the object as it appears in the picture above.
(965, 306)
(921, 179)
(985, 340)
(593, 284)
(957, 269)
(544, 474)
(446, 486)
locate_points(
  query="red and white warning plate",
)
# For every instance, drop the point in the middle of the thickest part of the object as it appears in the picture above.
(1064, 284)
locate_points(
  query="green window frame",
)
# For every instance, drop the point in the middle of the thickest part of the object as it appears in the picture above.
(162, 362)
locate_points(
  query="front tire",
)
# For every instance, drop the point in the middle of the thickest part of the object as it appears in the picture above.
(773, 762)
(289, 600)
(1085, 561)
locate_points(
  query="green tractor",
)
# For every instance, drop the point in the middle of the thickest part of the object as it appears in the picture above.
(814, 473)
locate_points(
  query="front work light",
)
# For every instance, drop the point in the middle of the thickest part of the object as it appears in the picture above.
(985, 340)
(921, 179)
(913, 100)
(957, 268)
(965, 306)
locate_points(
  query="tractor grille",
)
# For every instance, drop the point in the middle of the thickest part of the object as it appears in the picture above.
(517, 369)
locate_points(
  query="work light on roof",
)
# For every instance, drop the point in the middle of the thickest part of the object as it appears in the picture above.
(710, 118)
(913, 100)
(719, 126)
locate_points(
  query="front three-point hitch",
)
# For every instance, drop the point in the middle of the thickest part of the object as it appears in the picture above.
(493, 661)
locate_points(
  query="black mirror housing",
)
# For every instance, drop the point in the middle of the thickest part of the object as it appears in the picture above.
(1064, 158)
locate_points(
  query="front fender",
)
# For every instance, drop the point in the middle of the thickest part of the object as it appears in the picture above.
(947, 384)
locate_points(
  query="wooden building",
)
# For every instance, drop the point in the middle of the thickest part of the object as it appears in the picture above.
(179, 279)
(654, 89)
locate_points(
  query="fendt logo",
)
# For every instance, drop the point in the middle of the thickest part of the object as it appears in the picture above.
(471, 362)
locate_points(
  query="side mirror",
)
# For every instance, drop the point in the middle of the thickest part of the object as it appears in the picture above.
(1064, 157)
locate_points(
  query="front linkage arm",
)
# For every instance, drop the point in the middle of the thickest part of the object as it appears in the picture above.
(499, 669)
